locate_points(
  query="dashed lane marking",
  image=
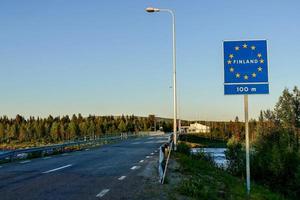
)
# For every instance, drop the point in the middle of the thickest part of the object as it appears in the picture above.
(102, 193)
(56, 169)
(121, 178)
(48, 157)
(136, 143)
(25, 161)
(141, 161)
(135, 167)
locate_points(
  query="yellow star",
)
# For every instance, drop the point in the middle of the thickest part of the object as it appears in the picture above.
(259, 55)
(238, 75)
(253, 75)
(245, 46)
(246, 77)
(237, 48)
(259, 69)
(261, 61)
(253, 47)
(231, 69)
(229, 62)
(231, 56)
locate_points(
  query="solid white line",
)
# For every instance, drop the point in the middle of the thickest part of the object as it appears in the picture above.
(121, 178)
(102, 193)
(141, 161)
(56, 169)
(135, 167)
(25, 161)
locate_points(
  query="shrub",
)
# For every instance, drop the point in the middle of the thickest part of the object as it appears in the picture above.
(183, 148)
(236, 157)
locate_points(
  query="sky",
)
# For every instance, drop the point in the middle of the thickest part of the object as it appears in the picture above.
(110, 57)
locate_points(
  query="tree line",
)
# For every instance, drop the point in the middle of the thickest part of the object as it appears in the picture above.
(58, 129)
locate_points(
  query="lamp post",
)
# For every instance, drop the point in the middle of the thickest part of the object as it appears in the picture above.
(151, 10)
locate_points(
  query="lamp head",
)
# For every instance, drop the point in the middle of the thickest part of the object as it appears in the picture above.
(150, 9)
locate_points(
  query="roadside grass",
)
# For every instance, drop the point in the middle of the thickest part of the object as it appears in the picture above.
(202, 180)
(198, 140)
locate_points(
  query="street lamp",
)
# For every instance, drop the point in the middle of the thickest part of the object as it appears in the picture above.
(151, 10)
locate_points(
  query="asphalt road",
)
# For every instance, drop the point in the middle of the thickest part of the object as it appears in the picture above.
(107, 172)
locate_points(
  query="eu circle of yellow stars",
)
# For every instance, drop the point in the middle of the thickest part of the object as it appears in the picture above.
(245, 76)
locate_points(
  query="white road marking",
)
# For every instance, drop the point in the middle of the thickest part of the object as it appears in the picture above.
(64, 154)
(56, 169)
(152, 153)
(121, 178)
(25, 161)
(155, 151)
(141, 161)
(135, 167)
(102, 193)
(148, 156)
(48, 157)
(149, 142)
(136, 143)
(0, 166)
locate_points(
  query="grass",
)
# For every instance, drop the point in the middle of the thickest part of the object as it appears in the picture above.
(202, 180)
(198, 140)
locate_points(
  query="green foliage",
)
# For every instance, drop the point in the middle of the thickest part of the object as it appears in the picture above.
(183, 148)
(202, 141)
(202, 180)
(275, 152)
(235, 156)
(277, 161)
(33, 131)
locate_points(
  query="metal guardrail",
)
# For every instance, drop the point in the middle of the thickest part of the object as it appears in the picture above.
(164, 155)
(14, 153)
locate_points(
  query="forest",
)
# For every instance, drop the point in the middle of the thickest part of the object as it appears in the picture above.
(59, 129)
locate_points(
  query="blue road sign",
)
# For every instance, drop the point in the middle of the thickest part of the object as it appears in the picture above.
(245, 67)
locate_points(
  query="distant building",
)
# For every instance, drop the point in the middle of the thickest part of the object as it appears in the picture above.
(195, 128)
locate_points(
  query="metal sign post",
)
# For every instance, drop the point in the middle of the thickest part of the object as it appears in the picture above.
(247, 143)
(246, 72)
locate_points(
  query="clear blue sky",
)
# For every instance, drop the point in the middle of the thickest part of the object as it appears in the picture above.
(111, 57)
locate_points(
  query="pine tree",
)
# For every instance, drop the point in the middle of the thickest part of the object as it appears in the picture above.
(2, 133)
(54, 132)
(122, 126)
(23, 133)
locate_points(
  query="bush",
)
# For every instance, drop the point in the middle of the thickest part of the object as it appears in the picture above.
(276, 162)
(205, 157)
(236, 157)
(183, 148)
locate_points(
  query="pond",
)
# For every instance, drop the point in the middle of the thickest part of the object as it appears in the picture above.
(218, 155)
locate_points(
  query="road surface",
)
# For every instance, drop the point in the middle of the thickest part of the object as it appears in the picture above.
(108, 172)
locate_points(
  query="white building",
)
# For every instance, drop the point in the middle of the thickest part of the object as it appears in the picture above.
(196, 128)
